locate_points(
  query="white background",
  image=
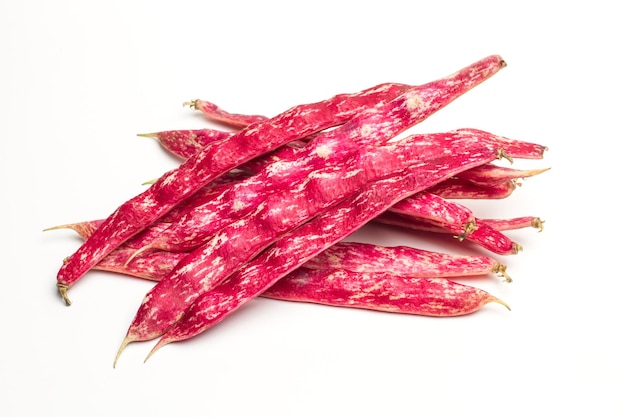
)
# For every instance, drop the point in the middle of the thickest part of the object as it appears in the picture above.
(79, 80)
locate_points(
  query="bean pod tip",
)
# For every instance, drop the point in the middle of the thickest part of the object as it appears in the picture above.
(63, 292)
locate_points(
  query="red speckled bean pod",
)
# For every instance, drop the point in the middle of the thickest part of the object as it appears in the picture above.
(432, 207)
(402, 260)
(253, 141)
(217, 114)
(381, 291)
(302, 244)
(514, 223)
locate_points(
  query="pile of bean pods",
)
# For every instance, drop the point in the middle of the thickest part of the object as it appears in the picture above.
(263, 208)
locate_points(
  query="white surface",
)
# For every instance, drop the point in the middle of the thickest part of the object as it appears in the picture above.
(78, 80)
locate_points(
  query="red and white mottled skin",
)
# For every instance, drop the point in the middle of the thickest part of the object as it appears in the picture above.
(289, 252)
(382, 291)
(252, 141)
(352, 256)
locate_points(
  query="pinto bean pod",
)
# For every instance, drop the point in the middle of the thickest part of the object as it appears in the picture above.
(382, 291)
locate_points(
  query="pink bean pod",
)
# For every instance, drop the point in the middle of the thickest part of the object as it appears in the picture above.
(515, 223)
(217, 114)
